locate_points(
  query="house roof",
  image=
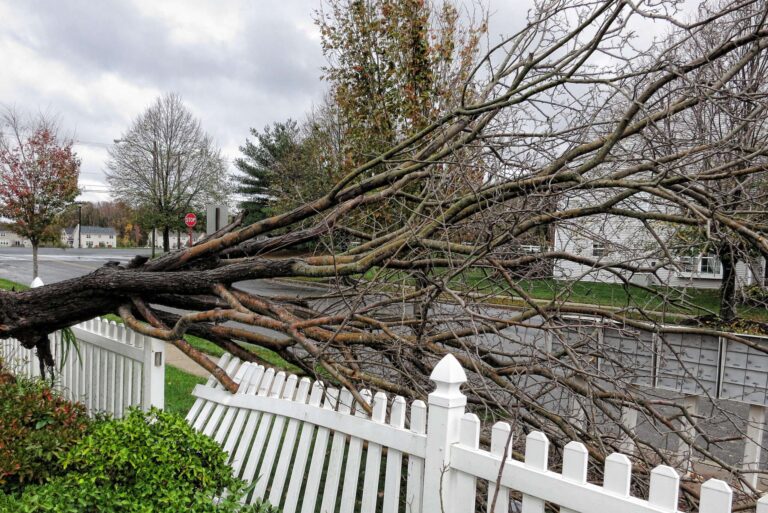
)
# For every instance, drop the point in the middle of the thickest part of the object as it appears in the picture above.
(98, 230)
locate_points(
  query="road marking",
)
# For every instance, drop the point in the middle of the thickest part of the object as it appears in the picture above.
(89, 267)
(65, 258)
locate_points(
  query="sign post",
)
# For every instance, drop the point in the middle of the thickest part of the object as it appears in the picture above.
(190, 220)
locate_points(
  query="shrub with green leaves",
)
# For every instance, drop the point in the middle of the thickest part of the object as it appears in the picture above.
(37, 429)
(755, 295)
(146, 462)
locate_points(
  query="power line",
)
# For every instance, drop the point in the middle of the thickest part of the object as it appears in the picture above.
(92, 143)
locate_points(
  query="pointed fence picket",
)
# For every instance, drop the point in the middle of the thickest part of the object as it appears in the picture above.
(111, 369)
(311, 448)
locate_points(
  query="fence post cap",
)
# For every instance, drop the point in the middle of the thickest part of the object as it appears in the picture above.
(448, 371)
(448, 375)
(37, 282)
(717, 485)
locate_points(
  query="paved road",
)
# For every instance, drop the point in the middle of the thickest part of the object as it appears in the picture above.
(58, 264)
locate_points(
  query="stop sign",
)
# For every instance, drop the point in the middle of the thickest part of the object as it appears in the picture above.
(190, 220)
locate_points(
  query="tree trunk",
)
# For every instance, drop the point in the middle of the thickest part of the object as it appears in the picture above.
(35, 270)
(728, 285)
(166, 239)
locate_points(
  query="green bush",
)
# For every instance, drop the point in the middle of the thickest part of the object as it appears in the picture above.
(146, 462)
(37, 429)
(755, 295)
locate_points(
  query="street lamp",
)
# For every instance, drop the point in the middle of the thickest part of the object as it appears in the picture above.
(79, 222)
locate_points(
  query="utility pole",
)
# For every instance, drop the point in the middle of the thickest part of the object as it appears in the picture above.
(79, 225)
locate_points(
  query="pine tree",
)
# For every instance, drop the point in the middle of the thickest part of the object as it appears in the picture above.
(267, 156)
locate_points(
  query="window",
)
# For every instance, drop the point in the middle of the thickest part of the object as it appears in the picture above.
(598, 249)
(702, 266)
(687, 264)
(530, 249)
(709, 264)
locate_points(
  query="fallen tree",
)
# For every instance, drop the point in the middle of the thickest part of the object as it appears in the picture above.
(566, 120)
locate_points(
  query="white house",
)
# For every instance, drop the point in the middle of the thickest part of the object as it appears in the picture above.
(9, 238)
(67, 237)
(89, 237)
(609, 239)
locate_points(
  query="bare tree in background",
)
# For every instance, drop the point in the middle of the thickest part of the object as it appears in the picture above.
(166, 164)
(570, 107)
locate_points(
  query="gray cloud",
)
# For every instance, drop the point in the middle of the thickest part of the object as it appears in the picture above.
(99, 64)
(237, 64)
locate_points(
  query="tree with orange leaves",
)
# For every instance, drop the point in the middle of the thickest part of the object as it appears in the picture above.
(38, 177)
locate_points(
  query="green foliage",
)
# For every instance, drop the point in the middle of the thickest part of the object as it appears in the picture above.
(755, 295)
(11, 285)
(69, 344)
(146, 462)
(270, 157)
(394, 66)
(37, 428)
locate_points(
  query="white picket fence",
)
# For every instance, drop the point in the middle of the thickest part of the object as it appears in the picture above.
(305, 445)
(113, 367)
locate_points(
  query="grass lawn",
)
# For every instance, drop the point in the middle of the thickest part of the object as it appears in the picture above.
(666, 299)
(8, 285)
(178, 390)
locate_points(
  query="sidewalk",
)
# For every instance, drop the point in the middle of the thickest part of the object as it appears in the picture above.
(174, 356)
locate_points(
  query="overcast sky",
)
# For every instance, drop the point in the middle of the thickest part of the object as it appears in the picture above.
(98, 64)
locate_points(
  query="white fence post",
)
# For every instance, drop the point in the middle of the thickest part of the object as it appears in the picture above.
(34, 361)
(629, 421)
(154, 374)
(716, 497)
(685, 450)
(762, 505)
(446, 409)
(753, 445)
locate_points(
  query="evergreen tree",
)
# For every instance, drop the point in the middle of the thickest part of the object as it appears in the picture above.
(268, 156)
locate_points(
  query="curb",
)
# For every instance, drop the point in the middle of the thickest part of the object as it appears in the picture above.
(299, 283)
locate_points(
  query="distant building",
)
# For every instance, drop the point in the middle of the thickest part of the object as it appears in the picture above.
(67, 237)
(177, 239)
(609, 238)
(9, 238)
(89, 237)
